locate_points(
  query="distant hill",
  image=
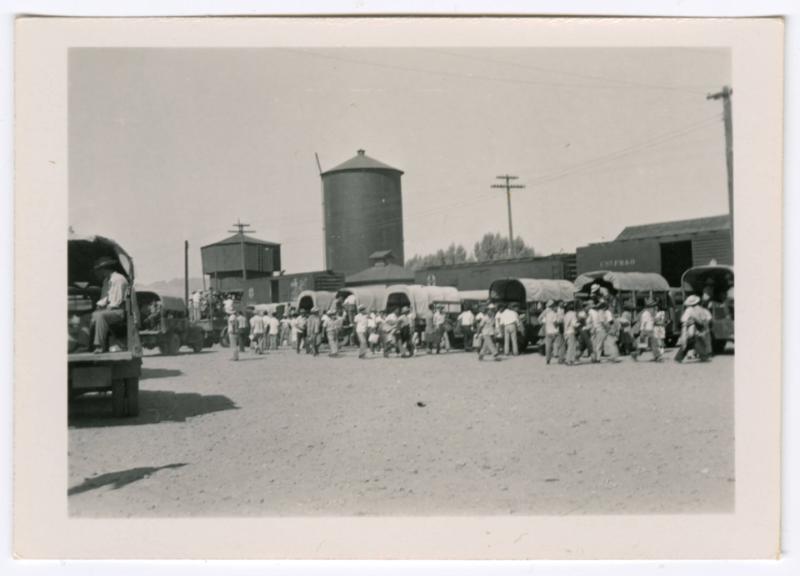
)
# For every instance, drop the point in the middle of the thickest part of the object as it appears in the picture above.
(172, 287)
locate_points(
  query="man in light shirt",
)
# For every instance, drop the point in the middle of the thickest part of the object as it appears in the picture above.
(440, 330)
(467, 320)
(647, 326)
(257, 332)
(110, 308)
(509, 320)
(273, 330)
(361, 321)
(570, 332)
(549, 321)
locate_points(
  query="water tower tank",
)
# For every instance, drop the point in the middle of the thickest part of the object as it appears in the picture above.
(363, 213)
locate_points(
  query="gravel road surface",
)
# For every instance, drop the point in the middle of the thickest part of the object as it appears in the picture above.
(283, 434)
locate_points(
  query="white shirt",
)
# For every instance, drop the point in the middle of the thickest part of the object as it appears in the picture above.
(646, 321)
(509, 317)
(112, 295)
(361, 320)
(257, 324)
(274, 324)
(466, 318)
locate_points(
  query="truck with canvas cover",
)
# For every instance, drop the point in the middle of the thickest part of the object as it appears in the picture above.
(118, 369)
(321, 299)
(713, 284)
(632, 289)
(165, 324)
(529, 296)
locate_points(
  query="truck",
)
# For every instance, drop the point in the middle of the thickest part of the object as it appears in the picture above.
(118, 370)
(165, 324)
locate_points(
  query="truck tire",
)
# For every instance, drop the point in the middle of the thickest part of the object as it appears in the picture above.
(118, 400)
(173, 344)
(718, 346)
(131, 397)
(197, 346)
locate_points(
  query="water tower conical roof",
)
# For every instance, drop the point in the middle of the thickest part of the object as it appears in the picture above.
(361, 162)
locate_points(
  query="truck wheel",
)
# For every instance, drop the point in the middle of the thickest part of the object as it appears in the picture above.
(718, 346)
(197, 346)
(118, 400)
(223, 338)
(131, 397)
(173, 344)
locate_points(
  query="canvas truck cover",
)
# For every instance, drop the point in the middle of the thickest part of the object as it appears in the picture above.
(83, 252)
(533, 289)
(479, 295)
(695, 279)
(623, 281)
(319, 298)
(421, 296)
(372, 297)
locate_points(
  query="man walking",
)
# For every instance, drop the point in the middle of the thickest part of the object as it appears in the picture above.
(548, 319)
(313, 331)
(233, 334)
(361, 322)
(509, 320)
(486, 327)
(467, 321)
(300, 327)
(647, 336)
(570, 333)
(439, 321)
(693, 330)
(257, 332)
(243, 329)
(333, 327)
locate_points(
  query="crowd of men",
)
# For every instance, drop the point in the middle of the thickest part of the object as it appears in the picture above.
(570, 330)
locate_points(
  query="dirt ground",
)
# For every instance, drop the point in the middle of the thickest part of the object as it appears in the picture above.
(283, 434)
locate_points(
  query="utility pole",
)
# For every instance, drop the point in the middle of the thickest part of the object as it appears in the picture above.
(186, 271)
(324, 236)
(240, 231)
(508, 186)
(725, 96)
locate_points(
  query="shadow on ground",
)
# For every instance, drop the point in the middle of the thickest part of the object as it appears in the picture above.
(155, 406)
(118, 479)
(149, 373)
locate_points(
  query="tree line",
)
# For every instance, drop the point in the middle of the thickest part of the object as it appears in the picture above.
(492, 246)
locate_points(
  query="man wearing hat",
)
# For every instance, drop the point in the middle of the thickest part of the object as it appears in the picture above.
(313, 331)
(467, 321)
(647, 326)
(549, 321)
(694, 324)
(361, 320)
(110, 308)
(487, 328)
(405, 332)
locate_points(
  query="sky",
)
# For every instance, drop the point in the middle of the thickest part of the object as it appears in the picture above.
(167, 145)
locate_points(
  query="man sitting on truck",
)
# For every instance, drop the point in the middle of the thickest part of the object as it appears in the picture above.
(110, 308)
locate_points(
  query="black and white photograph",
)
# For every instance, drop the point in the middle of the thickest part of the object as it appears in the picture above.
(292, 291)
(403, 281)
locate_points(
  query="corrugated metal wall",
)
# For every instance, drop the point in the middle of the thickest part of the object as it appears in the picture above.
(712, 246)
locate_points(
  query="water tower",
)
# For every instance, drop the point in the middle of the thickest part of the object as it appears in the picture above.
(363, 207)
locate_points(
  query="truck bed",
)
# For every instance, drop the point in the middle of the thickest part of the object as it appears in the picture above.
(121, 356)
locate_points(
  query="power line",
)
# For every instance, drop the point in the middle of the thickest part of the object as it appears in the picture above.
(629, 83)
(443, 73)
